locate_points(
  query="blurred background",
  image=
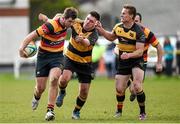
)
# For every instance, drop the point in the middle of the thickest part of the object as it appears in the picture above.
(19, 17)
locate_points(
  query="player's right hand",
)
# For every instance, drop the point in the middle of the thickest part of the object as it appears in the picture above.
(22, 53)
(98, 25)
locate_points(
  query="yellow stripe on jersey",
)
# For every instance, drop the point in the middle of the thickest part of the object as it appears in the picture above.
(79, 47)
(130, 34)
(126, 47)
(146, 47)
(40, 31)
(155, 43)
(146, 32)
(77, 58)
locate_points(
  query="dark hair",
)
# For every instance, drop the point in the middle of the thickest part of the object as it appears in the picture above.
(140, 16)
(132, 10)
(70, 12)
(95, 14)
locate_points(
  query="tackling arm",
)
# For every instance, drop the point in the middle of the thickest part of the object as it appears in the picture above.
(108, 35)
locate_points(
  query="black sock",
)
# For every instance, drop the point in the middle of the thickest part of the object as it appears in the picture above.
(50, 107)
(36, 97)
(141, 101)
(120, 100)
(62, 90)
(79, 103)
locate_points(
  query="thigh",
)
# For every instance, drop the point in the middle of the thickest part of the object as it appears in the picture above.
(66, 75)
(42, 68)
(54, 73)
(121, 82)
(138, 74)
(84, 78)
(41, 82)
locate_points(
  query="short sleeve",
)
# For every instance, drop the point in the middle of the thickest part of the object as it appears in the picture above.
(93, 37)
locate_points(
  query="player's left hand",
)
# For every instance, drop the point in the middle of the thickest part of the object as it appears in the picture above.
(159, 67)
(124, 55)
(79, 38)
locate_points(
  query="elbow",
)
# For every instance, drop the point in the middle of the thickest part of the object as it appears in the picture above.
(140, 53)
(111, 39)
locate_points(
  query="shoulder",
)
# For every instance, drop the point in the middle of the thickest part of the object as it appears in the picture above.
(138, 29)
(118, 25)
(58, 15)
(78, 21)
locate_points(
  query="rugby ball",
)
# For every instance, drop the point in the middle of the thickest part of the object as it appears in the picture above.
(31, 49)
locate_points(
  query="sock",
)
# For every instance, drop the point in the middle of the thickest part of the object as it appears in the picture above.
(50, 107)
(62, 89)
(36, 97)
(120, 100)
(141, 101)
(79, 103)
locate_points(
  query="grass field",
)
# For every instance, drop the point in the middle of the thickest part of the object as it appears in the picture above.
(163, 102)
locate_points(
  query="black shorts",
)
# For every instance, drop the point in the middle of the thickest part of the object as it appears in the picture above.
(124, 67)
(48, 60)
(84, 71)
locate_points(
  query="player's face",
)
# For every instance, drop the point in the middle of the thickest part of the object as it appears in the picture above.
(68, 22)
(125, 16)
(137, 19)
(89, 23)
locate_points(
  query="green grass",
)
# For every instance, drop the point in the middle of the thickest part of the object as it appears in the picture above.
(162, 102)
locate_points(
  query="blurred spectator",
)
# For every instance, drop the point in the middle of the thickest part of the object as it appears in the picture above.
(178, 52)
(168, 56)
(109, 58)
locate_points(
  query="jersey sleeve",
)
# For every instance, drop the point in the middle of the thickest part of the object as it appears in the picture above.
(140, 35)
(46, 28)
(152, 39)
(93, 37)
(114, 28)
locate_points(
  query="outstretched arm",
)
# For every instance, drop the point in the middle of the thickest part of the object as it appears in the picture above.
(42, 17)
(108, 35)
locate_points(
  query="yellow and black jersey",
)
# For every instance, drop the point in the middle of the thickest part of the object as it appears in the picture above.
(128, 37)
(76, 51)
(150, 39)
(52, 36)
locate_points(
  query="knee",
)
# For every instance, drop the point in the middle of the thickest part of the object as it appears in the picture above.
(63, 81)
(83, 93)
(40, 89)
(120, 91)
(54, 78)
(137, 87)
